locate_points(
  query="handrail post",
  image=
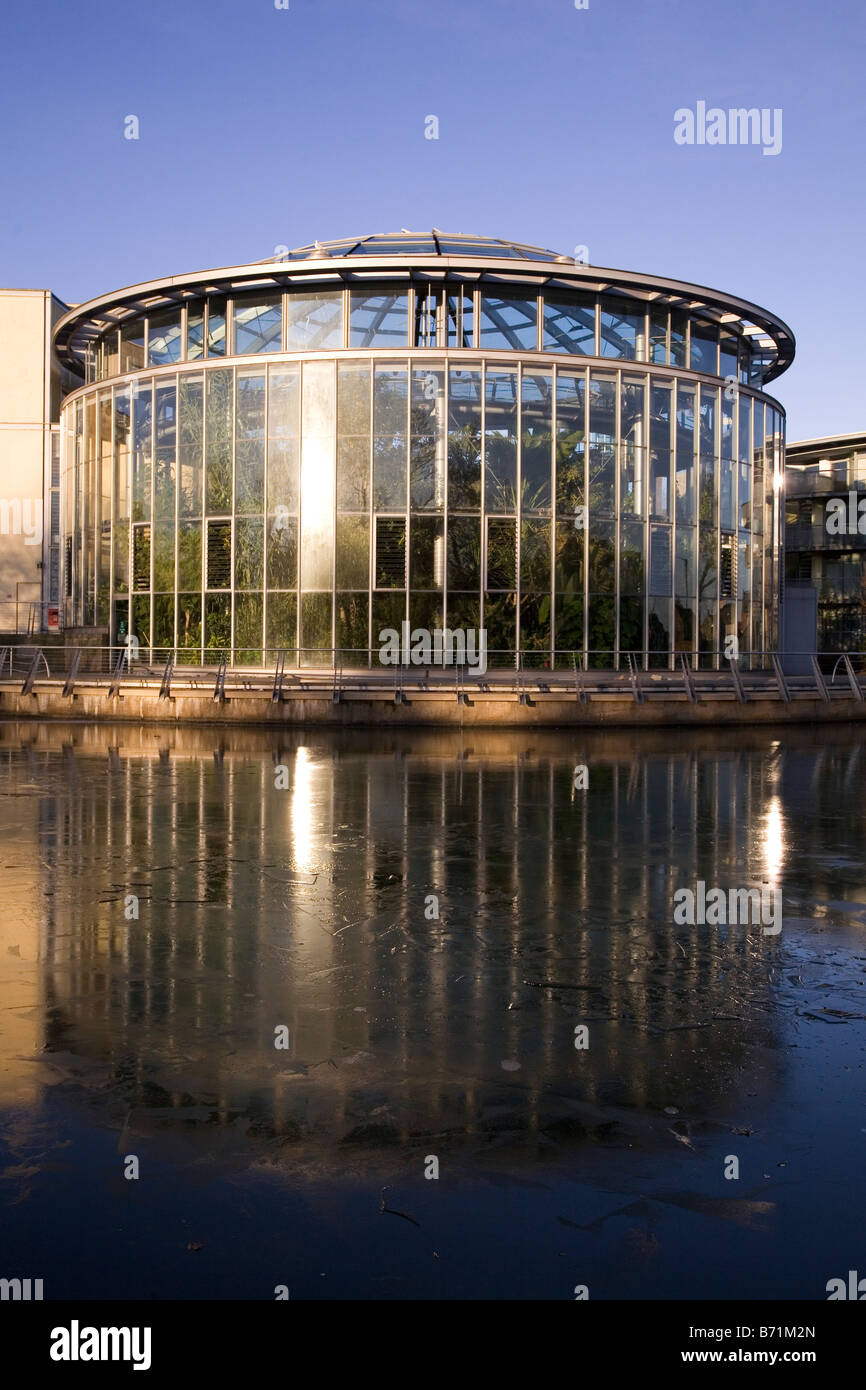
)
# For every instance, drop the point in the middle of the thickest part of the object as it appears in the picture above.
(852, 678)
(819, 680)
(687, 680)
(738, 681)
(30, 678)
(69, 683)
(780, 678)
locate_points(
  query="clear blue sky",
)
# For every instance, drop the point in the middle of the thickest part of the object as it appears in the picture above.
(261, 126)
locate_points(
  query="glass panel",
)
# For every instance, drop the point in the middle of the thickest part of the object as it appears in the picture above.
(464, 440)
(163, 625)
(535, 559)
(390, 433)
(389, 610)
(258, 323)
(727, 436)
(745, 456)
(632, 428)
(111, 352)
(250, 446)
(166, 449)
(464, 553)
(190, 443)
(602, 556)
(315, 321)
(631, 562)
(500, 621)
(502, 554)
(509, 322)
(708, 566)
(602, 445)
(679, 330)
(570, 569)
(660, 451)
(709, 418)
(658, 328)
(728, 352)
(189, 628)
(216, 326)
(352, 628)
(601, 634)
(427, 552)
(536, 425)
(218, 623)
(164, 337)
(459, 310)
(428, 299)
(631, 626)
(139, 622)
(570, 442)
(378, 318)
(140, 558)
(685, 577)
(685, 445)
(353, 553)
(218, 456)
(132, 345)
(282, 625)
(569, 323)
(500, 442)
(726, 495)
(189, 555)
(284, 402)
(194, 334)
(353, 398)
(104, 469)
(122, 440)
(623, 327)
(704, 347)
(249, 617)
(659, 631)
(535, 626)
(249, 553)
(427, 440)
(142, 455)
(318, 472)
(660, 561)
(282, 551)
(353, 473)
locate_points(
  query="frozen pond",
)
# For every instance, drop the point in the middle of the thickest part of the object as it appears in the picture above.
(288, 977)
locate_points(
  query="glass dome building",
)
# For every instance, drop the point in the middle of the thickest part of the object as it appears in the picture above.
(453, 431)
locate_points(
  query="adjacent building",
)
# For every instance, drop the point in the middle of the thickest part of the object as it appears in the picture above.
(31, 386)
(825, 534)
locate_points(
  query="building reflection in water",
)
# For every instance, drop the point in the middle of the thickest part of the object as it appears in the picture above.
(314, 907)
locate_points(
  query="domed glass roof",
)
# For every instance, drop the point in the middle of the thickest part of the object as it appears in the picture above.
(432, 243)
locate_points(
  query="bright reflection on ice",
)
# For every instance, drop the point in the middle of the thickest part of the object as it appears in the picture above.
(302, 810)
(774, 842)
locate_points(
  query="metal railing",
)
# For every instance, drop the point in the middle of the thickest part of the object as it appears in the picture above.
(525, 676)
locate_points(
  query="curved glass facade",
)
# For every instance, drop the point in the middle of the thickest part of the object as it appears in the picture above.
(583, 475)
(439, 313)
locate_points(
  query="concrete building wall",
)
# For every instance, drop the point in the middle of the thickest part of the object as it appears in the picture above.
(30, 394)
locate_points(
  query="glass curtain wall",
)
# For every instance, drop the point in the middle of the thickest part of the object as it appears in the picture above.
(575, 513)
